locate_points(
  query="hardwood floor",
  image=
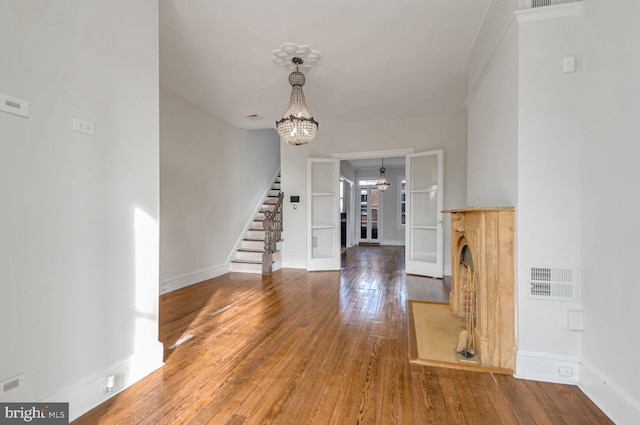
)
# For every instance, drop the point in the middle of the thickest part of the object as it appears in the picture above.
(319, 348)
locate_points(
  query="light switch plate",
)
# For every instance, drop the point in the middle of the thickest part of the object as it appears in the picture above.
(576, 320)
(569, 64)
(14, 105)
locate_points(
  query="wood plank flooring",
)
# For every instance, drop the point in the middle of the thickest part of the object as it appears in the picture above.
(319, 348)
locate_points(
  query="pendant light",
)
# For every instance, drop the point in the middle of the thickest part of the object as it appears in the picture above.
(297, 127)
(382, 184)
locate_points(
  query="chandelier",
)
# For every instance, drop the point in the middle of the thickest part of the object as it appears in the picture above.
(297, 127)
(382, 184)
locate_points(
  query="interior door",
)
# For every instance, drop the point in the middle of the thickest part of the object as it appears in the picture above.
(369, 215)
(424, 203)
(323, 214)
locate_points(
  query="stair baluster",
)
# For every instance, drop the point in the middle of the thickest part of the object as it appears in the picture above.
(272, 225)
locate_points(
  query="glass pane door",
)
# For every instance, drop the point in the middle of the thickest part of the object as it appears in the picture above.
(424, 199)
(370, 214)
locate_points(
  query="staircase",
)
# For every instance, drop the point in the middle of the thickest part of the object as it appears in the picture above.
(248, 258)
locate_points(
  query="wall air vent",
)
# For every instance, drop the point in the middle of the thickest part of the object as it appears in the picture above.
(530, 4)
(550, 283)
(11, 384)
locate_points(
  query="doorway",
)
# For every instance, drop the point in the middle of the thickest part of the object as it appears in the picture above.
(370, 213)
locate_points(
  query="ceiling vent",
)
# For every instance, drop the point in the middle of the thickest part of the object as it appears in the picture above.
(254, 117)
(550, 283)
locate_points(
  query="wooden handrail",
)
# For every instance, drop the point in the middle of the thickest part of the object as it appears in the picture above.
(272, 225)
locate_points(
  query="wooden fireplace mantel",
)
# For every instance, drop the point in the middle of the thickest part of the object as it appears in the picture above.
(489, 232)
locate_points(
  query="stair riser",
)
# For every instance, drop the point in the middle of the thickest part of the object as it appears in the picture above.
(257, 256)
(255, 234)
(246, 268)
(253, 268)
(253, 244)
(251, 256)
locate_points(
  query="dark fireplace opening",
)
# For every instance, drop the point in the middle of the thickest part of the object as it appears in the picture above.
(466, 348)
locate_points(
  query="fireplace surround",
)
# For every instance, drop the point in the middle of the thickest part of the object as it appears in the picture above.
(488, 235)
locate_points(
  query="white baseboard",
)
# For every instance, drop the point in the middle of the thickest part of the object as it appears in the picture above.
(185, 280)
(89, 392)
(392, 242)
(545, 367)
(615, 403)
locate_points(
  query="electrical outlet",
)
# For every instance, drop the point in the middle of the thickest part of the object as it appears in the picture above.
(84, 126)
(565, 371)
(111, 384)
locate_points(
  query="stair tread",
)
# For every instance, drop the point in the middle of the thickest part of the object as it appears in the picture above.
(249, 261)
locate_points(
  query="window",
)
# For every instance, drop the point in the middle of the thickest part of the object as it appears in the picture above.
(402, 201)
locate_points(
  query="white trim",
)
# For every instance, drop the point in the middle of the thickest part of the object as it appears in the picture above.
(615, 403)
(392, 242)
(544, 367)
(547, 12)
(372, 154)
(399, 179)
(86, 394)
(175, 283)
(488, 64)
(490, 16)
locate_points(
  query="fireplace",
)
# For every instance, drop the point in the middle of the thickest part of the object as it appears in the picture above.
(483, 284)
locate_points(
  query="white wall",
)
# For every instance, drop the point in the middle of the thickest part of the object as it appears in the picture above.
(212, 177)
(548, 228)
(391, 232)
(492, 145)
(610, 101)
(79, 228)
(447, 131)
(523, 152)
(576, 182)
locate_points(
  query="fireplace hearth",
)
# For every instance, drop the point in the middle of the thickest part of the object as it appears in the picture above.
(483, 284)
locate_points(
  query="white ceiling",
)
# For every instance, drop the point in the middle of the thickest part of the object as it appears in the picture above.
(380, 59)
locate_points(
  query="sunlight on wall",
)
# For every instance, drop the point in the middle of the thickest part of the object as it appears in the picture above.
(147, 248)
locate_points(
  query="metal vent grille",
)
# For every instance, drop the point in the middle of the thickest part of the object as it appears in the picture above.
(553, 283)
(530, 4)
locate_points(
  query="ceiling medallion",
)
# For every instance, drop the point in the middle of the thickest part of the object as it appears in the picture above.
(285, 54)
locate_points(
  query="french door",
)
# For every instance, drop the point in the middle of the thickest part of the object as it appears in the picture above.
(424, 203)
(323, 214)
(370, 215)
